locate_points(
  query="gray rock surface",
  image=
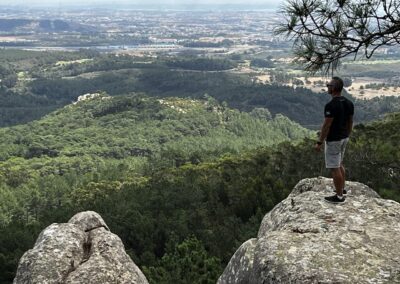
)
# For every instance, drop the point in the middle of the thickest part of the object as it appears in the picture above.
(88, 221)
(241, 265)
(307, 240)
(80, 251)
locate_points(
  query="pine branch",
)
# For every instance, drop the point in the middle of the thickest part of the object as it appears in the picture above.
(325, 31)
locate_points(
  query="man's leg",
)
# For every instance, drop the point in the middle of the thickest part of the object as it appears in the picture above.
(338, 180)
(333, 162)
(342, 151)
(343, 171)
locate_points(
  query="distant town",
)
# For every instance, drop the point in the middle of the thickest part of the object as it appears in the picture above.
(244, 36)
(149, 31)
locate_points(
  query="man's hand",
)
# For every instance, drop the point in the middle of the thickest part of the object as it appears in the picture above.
(318, 147)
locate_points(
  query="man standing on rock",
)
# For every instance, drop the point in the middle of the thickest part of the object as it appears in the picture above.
(335, 132)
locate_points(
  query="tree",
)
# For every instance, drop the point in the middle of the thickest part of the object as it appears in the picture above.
(325, 31)
(188, 262)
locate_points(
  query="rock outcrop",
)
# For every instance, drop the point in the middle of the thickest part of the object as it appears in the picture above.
(307, 240)
(80, 251)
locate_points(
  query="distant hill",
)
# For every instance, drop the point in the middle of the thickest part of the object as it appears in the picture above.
(299, 104)
(32, 26)
(35, 83)
(174, 131)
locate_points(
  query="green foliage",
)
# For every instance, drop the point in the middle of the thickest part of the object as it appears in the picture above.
(187, 262)
(168, 132)
(69, 162)
(114, 155)
(36, 83)
(221, 203)
(263, 63)
(17, 103)
(183, 182)
(375, 156)
(202, 64)
(15, 239)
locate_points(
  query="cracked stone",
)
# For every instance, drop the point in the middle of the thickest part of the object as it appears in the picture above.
(356, 245)
(80, 251)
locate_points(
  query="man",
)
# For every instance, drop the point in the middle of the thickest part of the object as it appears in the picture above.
(335, 132)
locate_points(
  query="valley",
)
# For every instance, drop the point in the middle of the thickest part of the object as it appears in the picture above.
(182, 128)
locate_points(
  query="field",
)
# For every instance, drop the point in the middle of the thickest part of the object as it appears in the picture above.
(368, 77)
(357, 88)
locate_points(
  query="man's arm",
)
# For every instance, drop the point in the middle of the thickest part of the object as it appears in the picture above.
(324, 132)
(325, 128)
(349, 125)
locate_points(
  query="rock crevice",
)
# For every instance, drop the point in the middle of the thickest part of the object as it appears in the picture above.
(80, 251)
(87, 248)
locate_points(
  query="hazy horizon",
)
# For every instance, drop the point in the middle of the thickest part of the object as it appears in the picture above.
(264, 4)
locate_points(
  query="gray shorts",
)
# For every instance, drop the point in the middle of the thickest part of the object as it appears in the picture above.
(334, 153)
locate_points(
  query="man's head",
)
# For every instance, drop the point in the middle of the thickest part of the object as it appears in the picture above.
(335, 86)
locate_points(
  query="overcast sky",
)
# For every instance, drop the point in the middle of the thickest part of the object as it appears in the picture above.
(264, 3)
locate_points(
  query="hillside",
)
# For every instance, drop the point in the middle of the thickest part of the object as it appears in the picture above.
(136, 130)
(171, 219)
(185, 130)
(24, 26)
(117, 144)
(35, 83)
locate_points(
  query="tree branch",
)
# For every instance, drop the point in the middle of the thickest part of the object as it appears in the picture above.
(326, 31)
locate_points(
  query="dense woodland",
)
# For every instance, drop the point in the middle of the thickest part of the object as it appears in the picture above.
(181, 213)
(172, 131)
(182, 165)
(36, 83)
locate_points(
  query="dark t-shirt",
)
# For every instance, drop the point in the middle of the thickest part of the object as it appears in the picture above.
(340, 109)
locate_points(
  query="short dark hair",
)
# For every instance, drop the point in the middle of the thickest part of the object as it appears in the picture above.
(338, 86)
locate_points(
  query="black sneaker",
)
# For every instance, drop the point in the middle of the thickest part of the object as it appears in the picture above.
(335, 199)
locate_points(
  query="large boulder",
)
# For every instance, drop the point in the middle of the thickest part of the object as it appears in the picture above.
(307, 240)
(80, 251)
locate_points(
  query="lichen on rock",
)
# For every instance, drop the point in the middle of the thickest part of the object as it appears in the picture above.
(80, 251)
(307, 240)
